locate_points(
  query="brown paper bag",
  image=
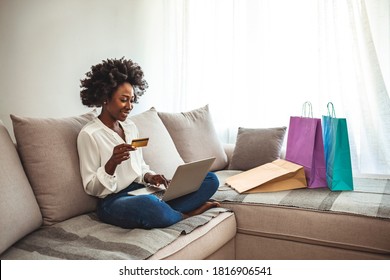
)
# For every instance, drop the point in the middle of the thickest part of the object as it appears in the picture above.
(278, 175)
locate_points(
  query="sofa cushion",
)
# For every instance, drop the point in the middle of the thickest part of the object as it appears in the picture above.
(194, 135)
(161, 154)
(19, 211)
(48, 151)
(283, 233)
(256, 146)
(317, 223)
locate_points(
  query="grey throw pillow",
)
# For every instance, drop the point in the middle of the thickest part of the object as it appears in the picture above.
(256, 146)
(48, 151)
(195, 136)
(160, 154)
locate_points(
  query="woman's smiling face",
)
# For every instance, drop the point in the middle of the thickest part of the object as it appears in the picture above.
(120, 104)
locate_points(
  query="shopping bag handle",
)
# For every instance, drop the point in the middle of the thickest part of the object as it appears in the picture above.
(307, 110)
(331, 112)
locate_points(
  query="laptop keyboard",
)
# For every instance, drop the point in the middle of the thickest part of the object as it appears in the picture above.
(159, 193)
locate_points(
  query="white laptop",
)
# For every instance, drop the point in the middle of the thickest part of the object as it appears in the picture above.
(188, 178)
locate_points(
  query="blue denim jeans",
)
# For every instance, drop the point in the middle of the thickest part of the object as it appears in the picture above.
(148, 211)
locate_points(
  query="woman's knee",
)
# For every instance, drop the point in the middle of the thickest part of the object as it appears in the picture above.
(212, 180)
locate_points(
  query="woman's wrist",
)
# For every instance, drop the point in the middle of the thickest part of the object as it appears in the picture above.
(110, 167)
(147, 177)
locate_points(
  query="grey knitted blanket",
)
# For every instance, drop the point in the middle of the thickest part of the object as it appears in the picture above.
(84, 237)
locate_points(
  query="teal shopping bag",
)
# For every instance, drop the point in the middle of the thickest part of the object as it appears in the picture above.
(337, 152)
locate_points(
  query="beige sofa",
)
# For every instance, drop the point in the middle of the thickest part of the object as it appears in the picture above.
(45, 213)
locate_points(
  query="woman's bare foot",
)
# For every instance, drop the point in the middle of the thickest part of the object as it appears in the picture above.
(206, 206)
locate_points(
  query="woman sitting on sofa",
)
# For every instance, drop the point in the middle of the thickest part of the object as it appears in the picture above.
(110, 167)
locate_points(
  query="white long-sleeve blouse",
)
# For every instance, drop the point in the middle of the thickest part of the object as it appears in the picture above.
(95, 145)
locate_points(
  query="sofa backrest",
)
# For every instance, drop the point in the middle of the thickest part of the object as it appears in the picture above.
(19, 210)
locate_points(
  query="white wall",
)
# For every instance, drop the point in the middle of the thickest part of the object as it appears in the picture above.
(47, 46)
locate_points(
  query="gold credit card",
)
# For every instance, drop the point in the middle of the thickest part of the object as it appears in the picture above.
(141, 142)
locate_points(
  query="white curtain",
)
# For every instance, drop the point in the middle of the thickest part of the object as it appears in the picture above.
(257, 61)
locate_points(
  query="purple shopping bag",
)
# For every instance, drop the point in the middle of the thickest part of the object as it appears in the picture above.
(305, 147)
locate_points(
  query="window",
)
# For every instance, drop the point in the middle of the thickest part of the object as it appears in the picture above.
(256, 62)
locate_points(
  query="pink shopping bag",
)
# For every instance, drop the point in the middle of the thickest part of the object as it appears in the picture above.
(305, 146)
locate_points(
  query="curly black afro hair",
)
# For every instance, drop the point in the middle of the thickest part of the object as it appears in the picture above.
(104, 78)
